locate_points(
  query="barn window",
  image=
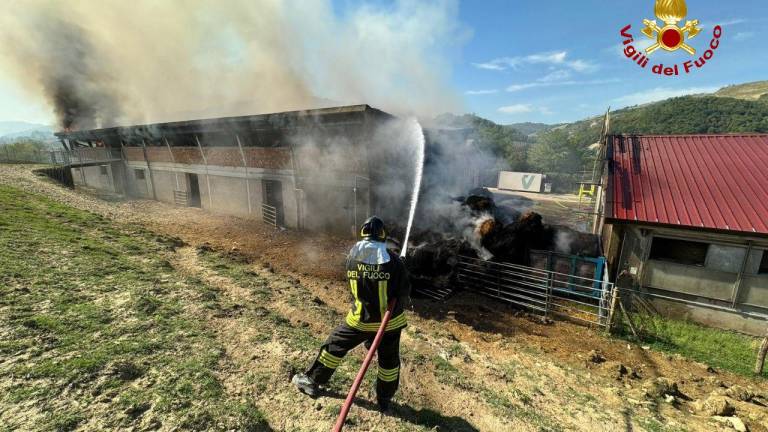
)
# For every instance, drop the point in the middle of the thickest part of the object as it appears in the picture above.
(103, 169)
(679, 251)
(139, 174)
(726, 258)
(763, 269)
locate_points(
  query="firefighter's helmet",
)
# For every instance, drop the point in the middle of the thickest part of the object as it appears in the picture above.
(373, 229)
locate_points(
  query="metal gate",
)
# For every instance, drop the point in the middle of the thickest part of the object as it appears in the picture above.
(269, 215)
(181, 198)
(572, 265)
(542, 291)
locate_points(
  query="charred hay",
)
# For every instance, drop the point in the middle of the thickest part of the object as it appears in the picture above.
(488, 231)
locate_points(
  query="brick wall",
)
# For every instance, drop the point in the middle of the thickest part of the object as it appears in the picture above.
(256, 157)
(223, 156)
(187, 155)
(268, 158)
(158, 154)
(134, 153)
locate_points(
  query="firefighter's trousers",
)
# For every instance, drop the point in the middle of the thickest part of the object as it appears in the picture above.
(343, 339)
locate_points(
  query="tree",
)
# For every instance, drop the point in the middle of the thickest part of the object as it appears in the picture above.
(557, 151)
(24, 149)
(693, 115)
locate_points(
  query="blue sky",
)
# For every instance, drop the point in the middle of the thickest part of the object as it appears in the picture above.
(560, 61)
(564, 60)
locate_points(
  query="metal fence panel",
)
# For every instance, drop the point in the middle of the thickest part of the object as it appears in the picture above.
(543, 291)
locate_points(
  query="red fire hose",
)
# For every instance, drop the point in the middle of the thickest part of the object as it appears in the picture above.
(364, 368)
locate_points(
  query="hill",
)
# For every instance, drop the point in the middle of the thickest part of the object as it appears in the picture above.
(9, 127)
(733, 109)
(747, 91)
(561, 151)
(530, 128)
(504, 142)
(12, 127)
(693, 115)
(14, 131)
(564, 149)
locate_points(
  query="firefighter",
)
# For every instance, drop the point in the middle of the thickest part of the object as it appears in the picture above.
(375, 276)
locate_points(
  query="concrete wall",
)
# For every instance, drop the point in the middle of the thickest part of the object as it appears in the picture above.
(754, 290)
(229, 187)
(731, 320)
(77, 177)
(118, 177)
(92, 177)
(690, 280)
(329, 209)
(135, 187)
(165, 184)
(293, 199)
(228, 195)
(734, 299)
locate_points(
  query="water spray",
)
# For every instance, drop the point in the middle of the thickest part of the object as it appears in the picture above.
(417, 134)
(418, 139)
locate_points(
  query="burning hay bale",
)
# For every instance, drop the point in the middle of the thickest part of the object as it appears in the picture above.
(481, 229)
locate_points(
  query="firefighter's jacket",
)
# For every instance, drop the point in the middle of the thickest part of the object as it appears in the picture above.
(375, 276)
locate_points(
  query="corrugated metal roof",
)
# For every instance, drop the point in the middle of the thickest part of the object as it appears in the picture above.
(269, 119)
(717, 182)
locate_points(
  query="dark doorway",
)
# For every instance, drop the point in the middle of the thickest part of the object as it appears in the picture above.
(194, 190)
(273, 196)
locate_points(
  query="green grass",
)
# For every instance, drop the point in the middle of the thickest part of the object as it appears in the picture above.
(650, 424)
(718, 348)
(93, 314)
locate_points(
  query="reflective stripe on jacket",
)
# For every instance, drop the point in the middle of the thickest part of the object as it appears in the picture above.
(372, 286)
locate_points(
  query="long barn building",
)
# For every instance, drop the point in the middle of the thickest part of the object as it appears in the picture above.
(269, 165)
(313, 169)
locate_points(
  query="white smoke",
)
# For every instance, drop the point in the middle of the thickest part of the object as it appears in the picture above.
(563, 241)
(473, 236)
(148, 61)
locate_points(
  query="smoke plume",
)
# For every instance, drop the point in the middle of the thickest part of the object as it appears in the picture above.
(101, 63)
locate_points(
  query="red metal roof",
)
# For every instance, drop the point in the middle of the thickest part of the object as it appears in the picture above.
(703, 181)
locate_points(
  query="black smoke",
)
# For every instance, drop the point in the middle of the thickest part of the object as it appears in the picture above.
(75, 80)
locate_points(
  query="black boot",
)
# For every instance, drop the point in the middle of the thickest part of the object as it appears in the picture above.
(385, 406)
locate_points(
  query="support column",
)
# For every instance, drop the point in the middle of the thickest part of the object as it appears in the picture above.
(82, 171)
(740, 277)
(127, 190)
(207, 175)
(298, 192)
(173, 160)
(247, 179)
(149, 168)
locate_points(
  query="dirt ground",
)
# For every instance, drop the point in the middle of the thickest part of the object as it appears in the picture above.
(471, 363)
